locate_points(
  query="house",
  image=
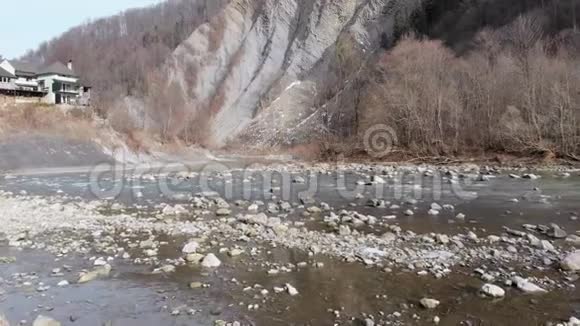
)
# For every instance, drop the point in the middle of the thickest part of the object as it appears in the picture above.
(53, 84)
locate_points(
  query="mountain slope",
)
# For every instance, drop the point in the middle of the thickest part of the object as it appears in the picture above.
(258, 54)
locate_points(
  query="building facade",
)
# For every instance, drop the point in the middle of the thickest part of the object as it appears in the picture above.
(54, 84)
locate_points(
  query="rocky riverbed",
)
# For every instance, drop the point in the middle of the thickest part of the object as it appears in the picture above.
(346, 244)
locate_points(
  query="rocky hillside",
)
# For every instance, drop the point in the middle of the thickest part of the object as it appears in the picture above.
(260, 66)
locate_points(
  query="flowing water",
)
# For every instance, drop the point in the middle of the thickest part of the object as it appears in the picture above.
(332, 291)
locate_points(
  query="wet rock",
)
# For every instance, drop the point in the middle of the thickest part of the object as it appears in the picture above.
(63, 283)
(164, 269)
(429, 303)
(314, 210)
(571, 262)
(376, 203)
(45, 321)
(530, 176)
(190, 247)
(378, 180)
(369, 322)
(299, 180)
(210, 261)
(433, 212)
(195, 285)
(100, 262)
(223, 212)
(292, 291)
(556, 232)
(493, 291)
(194, 258)
(409, 212)
(235, 252)
(573, 239)
(436, 207)
(99, 272)
(547, 245)
(460, 216)
(526, 286)
(442, 238)
(147, 244)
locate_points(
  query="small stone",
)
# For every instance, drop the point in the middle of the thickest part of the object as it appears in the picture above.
(100, 262)
(102, 271)
(369, 322)
(63, 283)
(442, 238)
(223, 212)
(194, 258)
(527, 286)
(195, 285)
(167, 269)
(235, 252)
(314, 210)
(210, 261)
(571, 262)
(428, 303)
(190, 247)
(433, 212)
(45, 321)
(493, 291)
(291, 290)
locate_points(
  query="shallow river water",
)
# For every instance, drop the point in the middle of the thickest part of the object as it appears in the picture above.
(331, 291)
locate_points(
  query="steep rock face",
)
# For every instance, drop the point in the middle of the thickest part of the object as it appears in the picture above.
(259, 65)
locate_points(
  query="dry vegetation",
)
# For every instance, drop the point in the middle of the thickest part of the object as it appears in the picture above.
(18, 119)
(516, 92)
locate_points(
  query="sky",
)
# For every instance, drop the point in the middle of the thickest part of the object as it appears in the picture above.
(24, 24)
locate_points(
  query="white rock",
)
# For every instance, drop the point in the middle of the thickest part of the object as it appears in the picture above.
(573, 321)
(433, 212)
(63, 283)
(45, 321)
(164, 269)
(210, 261)
(101, 271)
(571, 262)
(428, 303)
(291, 290)
(190, 247)
(527, 286)
(235, 252)
(378, 180)
(436, 207)
(493, 291)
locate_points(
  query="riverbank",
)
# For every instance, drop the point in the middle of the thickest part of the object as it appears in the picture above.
(369, 247)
